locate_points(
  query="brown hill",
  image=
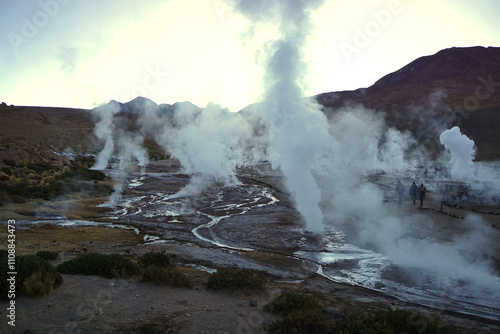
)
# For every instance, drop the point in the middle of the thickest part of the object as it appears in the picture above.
(456, 86)
(35, 132)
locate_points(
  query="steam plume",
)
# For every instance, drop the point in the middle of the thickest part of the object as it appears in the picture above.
(462, 153)
(127, 144)
(103, 130)
(209, 145)
(298, 133)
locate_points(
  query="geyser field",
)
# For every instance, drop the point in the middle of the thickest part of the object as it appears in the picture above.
(222, 206)
(306, 194)
(341, 218)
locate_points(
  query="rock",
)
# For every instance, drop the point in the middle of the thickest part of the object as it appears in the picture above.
(253, 302)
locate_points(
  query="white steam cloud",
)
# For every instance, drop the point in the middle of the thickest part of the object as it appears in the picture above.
(109, 128)
(103, 130)
(462, 153)
(210, 144)
(298, 133)
(361, 144)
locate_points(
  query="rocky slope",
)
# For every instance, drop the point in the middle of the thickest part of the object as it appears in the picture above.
(456, 86)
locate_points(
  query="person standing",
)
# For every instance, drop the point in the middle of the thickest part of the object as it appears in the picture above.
(413, 192)
(421, 194)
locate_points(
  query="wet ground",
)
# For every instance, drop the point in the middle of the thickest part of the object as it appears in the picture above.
(257, 216)
(253, 224)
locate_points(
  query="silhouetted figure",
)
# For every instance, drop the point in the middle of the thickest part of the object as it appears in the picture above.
(421, 194)
(413, 192)
(400, 191)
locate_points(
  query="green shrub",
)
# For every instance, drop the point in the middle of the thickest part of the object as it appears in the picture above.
(79, 168)
(19, 181)
(390, 321)
(96, 175)
(169, 276)
(109, 266)
(3, 253)
(158, 259)
(28, 264)
(38, 274)
(290, 302)
(239, 278)
(300, 321)
(39, 167)
(48, 255)
(300, 313)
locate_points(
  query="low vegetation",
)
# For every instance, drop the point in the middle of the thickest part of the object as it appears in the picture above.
(48, 255)
(160, 268)
(155, 151)
(31, 179)
(389, 321)
(302, 313)
(290, 302)
(35, 276)
(157, 267)
(105, 265)
(236, 278)
(168, 276)
(158, 259)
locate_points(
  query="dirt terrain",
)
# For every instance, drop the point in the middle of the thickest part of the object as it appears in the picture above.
(149, 219)
(35, 133)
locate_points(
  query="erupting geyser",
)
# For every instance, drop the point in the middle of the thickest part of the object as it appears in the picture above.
(104, 128)
(462, 152)
(298, 133)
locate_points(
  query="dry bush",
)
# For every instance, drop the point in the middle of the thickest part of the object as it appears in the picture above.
(236, 278)
(49, 179)
(39, 284)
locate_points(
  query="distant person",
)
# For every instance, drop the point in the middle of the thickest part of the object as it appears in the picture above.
(421, 194)
(400, 190)
(413, 192)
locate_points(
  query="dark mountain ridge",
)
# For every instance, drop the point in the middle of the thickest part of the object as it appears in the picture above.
(456, 86)
(457, 71)
(140, 104)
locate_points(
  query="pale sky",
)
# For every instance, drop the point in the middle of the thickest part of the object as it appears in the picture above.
(75, 53)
